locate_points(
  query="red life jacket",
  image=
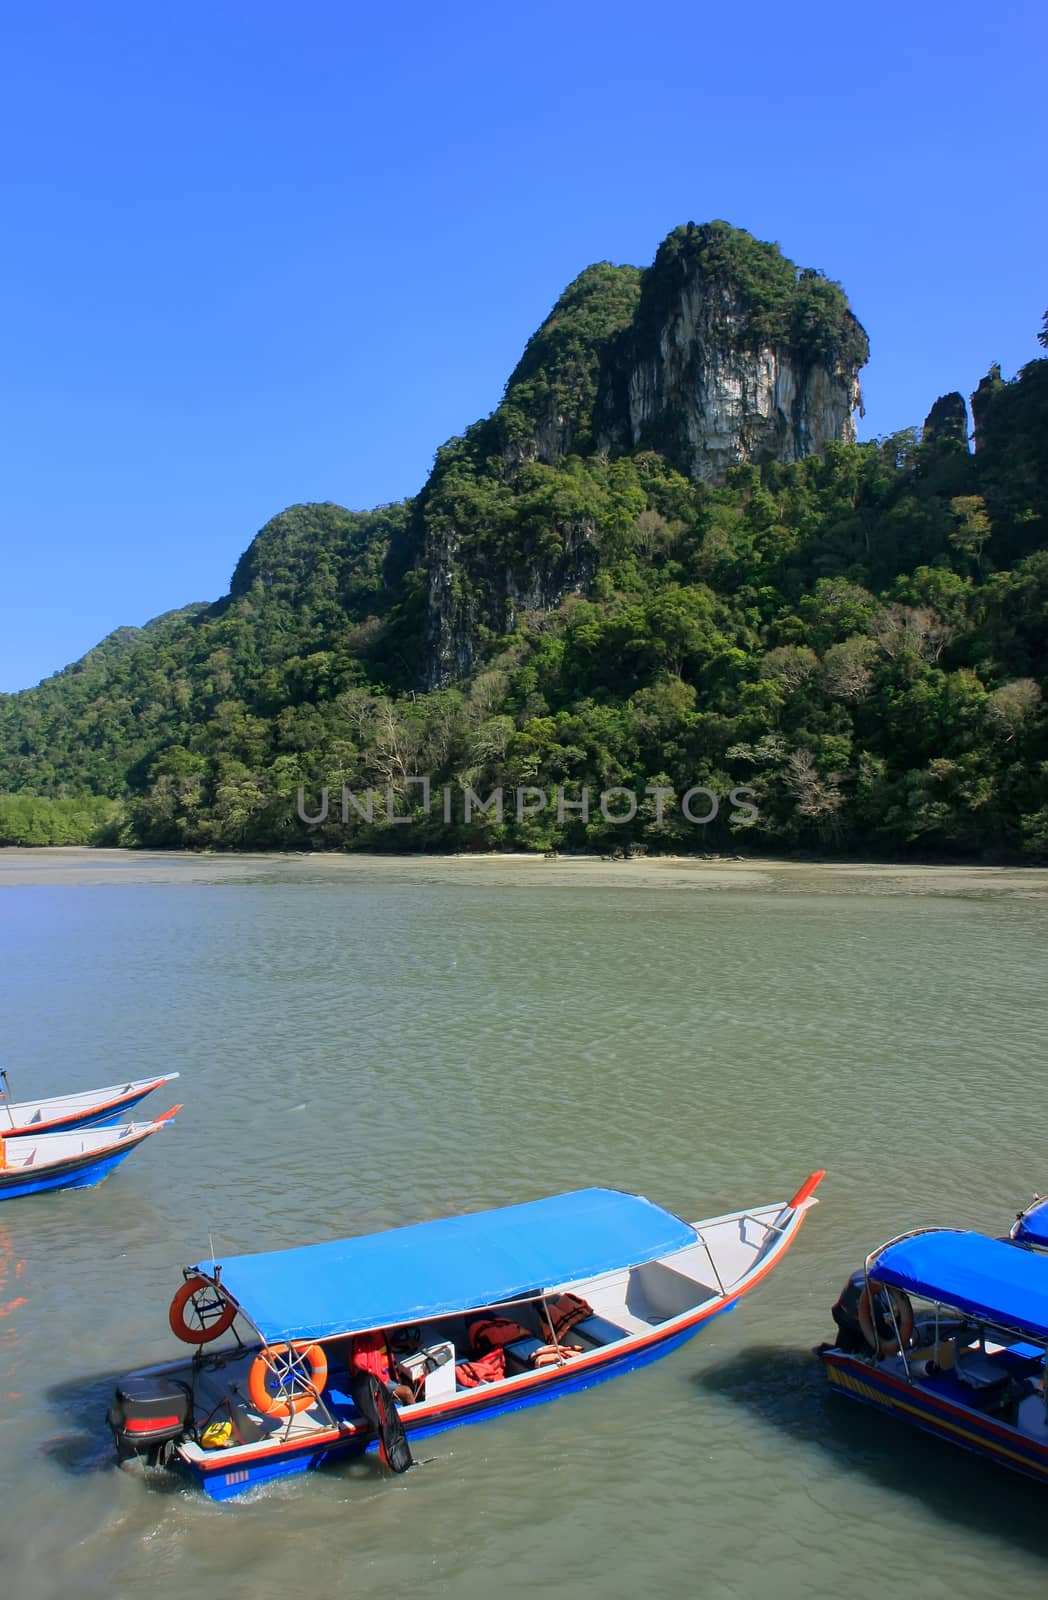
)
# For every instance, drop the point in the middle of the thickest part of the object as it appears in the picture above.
(494, 1333)
(369, 1352)
(485, 1369)
(561, 1313)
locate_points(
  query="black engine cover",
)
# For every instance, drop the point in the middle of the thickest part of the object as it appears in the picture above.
(148, 1411)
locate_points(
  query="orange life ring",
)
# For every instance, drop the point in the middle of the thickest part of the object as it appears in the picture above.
(903, 1312)
(207, 1330)
(284, 1363)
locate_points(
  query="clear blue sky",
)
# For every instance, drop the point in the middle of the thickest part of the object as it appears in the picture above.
(259, 253)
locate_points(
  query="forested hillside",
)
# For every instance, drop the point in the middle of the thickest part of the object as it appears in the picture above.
(858, 633)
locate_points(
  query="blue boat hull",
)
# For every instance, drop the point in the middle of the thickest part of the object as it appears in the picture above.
(224, 1485)
(78, 1175)
(958, 1424)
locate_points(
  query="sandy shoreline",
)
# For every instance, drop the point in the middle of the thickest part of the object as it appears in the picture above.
(72, 866)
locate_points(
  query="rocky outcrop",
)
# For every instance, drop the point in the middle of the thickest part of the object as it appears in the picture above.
(470, 597)
(722, 352)
(947, 421)
(733, 357)
(988, 390)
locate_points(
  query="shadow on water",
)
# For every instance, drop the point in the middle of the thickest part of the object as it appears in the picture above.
(787, 1390)
(84, 1445)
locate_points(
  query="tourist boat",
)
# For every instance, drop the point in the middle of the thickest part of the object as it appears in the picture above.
(1030, 1227)
(968, 1362)
(281, 1400)
(77, 1160)
(93, 1108)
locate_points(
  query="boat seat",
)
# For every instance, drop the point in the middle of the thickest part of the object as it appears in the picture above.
(950, 1387)
(598, 1330)
(519, 1354)
(595, 1331)
(1023, 1359)
(979, 1371)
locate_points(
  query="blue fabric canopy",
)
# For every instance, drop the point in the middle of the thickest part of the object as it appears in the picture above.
(1032, 1226)
(434, 1269)
(985, 1278)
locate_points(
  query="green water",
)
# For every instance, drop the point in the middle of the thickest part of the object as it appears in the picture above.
(364, 1044)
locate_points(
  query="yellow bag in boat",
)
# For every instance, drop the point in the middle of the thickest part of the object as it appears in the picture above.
(217, 1436)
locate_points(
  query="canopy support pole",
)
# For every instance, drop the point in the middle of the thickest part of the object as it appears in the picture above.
(705, 1245)
(898, 1334)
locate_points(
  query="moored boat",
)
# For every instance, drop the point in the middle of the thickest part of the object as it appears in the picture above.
(1030, 1227)
(91, 1108)
(477, 1314)
(967, 1361)
(30, 1164)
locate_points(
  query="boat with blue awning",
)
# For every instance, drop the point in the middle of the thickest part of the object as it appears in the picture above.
(460, 1318)
(948, 1330)
(1030, 1227)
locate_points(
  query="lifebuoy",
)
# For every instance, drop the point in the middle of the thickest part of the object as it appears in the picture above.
(208, 1327)
(903, 1312)
(284, 1363)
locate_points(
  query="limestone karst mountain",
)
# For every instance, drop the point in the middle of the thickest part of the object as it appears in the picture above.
(663, 560)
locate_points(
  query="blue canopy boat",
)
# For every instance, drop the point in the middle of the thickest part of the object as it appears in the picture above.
(968, 1365)
(91, 1108)
(573, 1289)
(1031, 1226)
(30, 1164)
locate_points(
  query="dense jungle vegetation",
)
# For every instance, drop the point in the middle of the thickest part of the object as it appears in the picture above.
(859, 638)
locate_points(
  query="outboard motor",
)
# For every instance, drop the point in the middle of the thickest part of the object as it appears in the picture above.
(147, 1415)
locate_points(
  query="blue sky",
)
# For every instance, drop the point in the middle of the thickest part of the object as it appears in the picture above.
(259, 253)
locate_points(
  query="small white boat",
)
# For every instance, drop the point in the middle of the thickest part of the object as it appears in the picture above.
(77, 1160)
(92, 1108)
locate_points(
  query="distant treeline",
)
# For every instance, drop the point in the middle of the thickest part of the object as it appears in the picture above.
(31, 819)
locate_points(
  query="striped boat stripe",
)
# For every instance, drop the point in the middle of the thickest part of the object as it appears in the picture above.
(975, 1430)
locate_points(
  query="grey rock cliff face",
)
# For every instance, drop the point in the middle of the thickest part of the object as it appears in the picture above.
(689, 387)
(466, 595)
(722, 352)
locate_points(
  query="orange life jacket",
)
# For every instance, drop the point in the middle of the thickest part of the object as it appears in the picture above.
(561, 1313)
(485, 1369)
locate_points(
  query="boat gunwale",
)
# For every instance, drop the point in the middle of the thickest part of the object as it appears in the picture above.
(135, 1090)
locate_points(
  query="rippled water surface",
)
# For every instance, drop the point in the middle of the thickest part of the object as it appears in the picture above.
(366, 1043)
